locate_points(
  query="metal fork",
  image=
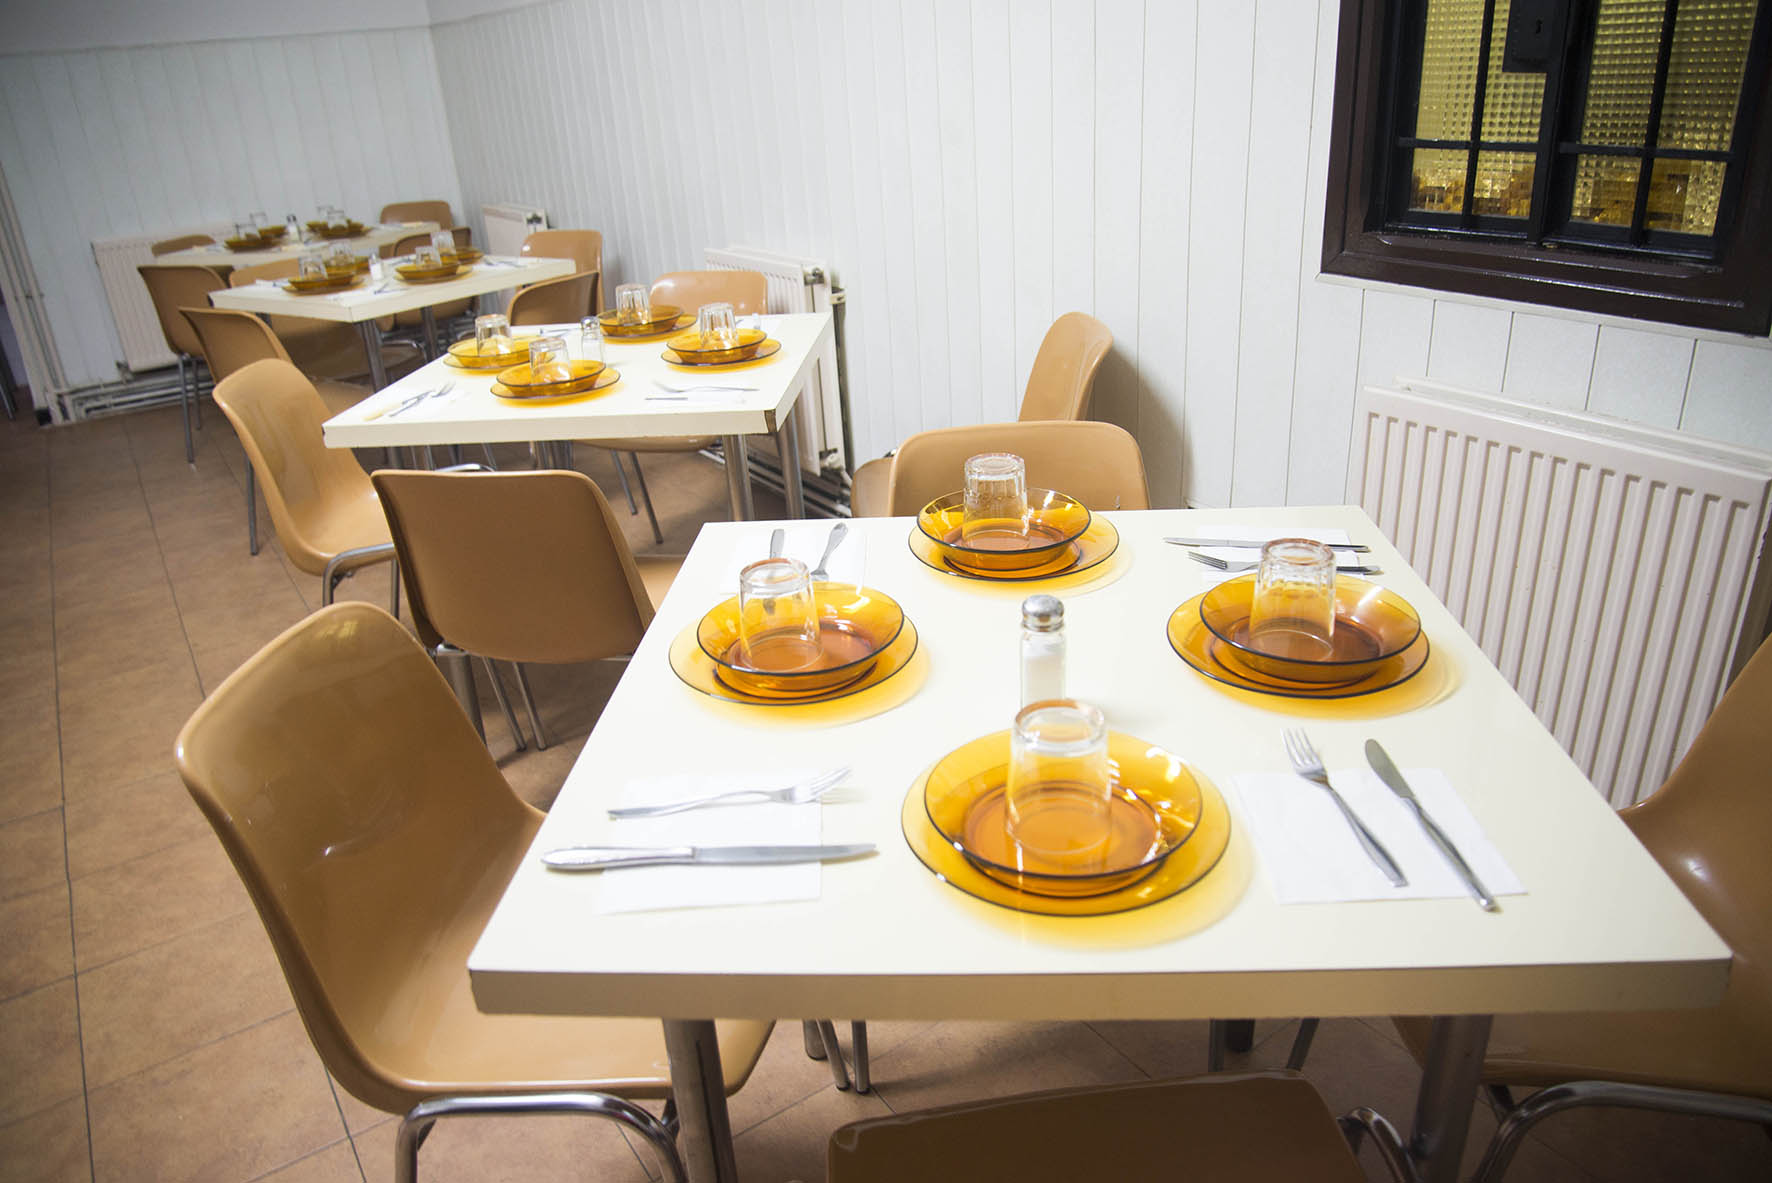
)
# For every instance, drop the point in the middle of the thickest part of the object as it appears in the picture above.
(803, 793)
(1219, 564)
(425, 397)
(1309, 765)
(837, 532)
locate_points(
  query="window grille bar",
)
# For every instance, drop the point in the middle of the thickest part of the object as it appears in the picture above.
(1576, 148)
(1646, 170)
(1478, 100)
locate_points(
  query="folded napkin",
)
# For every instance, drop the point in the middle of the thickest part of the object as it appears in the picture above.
(804, 541)
(643, 889)
(1244, 554)
(1310, 854)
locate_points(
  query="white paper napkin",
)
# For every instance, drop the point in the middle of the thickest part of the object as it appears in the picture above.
(1310, 855)
(644, 889)
(1244, 554)
(804, 541)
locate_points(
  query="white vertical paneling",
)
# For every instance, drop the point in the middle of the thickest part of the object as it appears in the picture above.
(1730, 394)
(1224, 66)
(1118, 170)
(1073, 156)
(1633, 373)
(1279, 121)
(1394, 333)
(1550, 360)
(1030, 148)
(957, 220)
(1469, 346)
(928, 246)
(999, 396)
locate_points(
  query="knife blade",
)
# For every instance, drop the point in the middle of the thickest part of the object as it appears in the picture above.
(1256, 544)
(1387, 772)
(597, 858)
(1252, 564)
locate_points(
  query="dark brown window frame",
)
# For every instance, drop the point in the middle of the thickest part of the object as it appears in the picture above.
(1733, 294)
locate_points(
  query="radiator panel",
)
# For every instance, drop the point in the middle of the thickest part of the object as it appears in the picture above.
(1614, 574)
(508, 225)
(132, 309)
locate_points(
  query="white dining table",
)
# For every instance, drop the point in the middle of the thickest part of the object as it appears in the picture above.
(218, 255)
(373, 299)
(1599, 926)
(637, 405)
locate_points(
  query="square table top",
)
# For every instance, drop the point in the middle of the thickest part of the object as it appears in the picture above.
(473, 414)
(370, 300)
(217, 255)
(1600, 926)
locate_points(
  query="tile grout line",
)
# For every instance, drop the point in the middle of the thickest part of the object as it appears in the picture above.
(160, 549)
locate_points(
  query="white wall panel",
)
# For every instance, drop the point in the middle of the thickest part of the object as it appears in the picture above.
(1729, 396)
(113, 142)
(1550, 360)
(1633, 371)
(1469, 346)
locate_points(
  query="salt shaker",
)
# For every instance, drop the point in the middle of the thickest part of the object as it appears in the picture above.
(1042, 648)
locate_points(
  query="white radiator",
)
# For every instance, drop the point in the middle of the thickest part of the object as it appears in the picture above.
(508, 225)
(1616, 574)
(144, 345)
(801, 285)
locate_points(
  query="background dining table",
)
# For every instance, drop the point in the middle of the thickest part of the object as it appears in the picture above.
(1599, 925)
(218, 256)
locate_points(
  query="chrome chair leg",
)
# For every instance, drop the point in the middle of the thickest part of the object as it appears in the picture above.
(858, 1036)
(1385, 1138)
(504, 704)
(621, 475)
(184, 402)
(251, 509)
(834, 1053)
(541, 741)
(416, 1125)
(813, 1041)
(640, 479)
(1301, 1044)
(459, 669)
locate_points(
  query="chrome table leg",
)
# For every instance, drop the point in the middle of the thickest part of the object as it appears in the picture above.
(1449, 1081)
(699, 1087)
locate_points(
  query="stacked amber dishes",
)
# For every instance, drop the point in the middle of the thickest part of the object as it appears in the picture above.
(660, 319)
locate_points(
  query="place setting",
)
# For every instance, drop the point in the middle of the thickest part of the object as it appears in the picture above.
(539, 370)
(636, 318)
(719, 343)
(258, 233)
(995, 529)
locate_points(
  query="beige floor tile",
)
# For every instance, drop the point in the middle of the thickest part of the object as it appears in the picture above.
(957, 1061)
(152, 899)
(47, 1147)
(784, 1077)
(30, 755)
(358, 1116)
(252, 1102)
(120, 514)
(37, 936)
(469, 1150)
(98, 572)
(113, 826)
(335, 1164)
(791, 1145)
(178, 996)
(122, 729)
(40, 1046)
(1631, 1145)
(1159, 1049)
(138, 631)
(28, 643)
(31, 854)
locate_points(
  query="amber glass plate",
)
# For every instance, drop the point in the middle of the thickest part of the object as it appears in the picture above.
(464, 254)
(521, 378)
(1189, 864)
(1154, 809)
(1091, 548)
(856, 624)
(1208, 654)
(1054, 521)
(348, 230)
(699, 672)
(465, 355)
(1371, 625)
(694, 349)
(542, 396)
(665, 318)
(768, 349)
(251, 242)
(412, 273)
(334, 282)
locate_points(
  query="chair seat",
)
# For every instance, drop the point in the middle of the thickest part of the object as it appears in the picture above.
(655, 443)
(340, 396)
(1249, 1127)
(658, 572)
(868, 489)
(1709, 1050)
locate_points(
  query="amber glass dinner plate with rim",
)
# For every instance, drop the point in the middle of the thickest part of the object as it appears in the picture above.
(331, 282)
(543, 396)
(1091, 548)
(1203, 650)
(1054, 520)
(663, 319)
(698, 671)
(413, 273)
(696, 349)
(1372, 625)
(465, 354)
(856, 625)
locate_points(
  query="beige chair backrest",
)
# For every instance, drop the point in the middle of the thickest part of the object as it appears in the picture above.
(173, 286)
(584, 247)
(1064, 370)
(417, 211)
(554, 301)
(239, 277)
(233, 340)
(746, 291)
(518, 566)
(167, 245)
(313, 492)
(1097, 463)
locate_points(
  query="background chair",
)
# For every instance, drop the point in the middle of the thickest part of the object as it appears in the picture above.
(748, 293)
(375, 837)
(321, 502)
(171, 287)
(396, 212)
(584, 247)
(1709, 826)
(1097, 463)
(1059, 387)
(167, 245)
(323, 348)
(441, 314)
(1253, 1127)
(553, 301)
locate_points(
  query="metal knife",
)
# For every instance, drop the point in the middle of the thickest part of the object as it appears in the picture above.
(597, 858)
(1251, 565)
(1387, 772)
(1256, 544)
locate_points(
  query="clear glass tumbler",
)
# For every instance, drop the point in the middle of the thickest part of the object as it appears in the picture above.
(996, 507)
(590, 340)
(777, 616)
(717, 326)
(633, 304)
(549, 361)
(1293, 612)
(492, 335)
(1060, 785)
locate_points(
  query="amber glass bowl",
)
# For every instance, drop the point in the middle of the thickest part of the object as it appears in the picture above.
(1155, 808)
(855, 626)
(691, 349)
(332, 282)
(1372, 625)
(248, 242)
(466, 353)
(464, 254)
(664, 316)
(1054, 521)
(521, 380)
(348, 230)
(413, 273)
(270, 234)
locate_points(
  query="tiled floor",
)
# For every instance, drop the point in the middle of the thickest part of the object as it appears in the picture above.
(145, 1030)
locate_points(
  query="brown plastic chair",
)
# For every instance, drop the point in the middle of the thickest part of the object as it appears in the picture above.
(1097, 463)
(321, 502)
(584, 247)
(1059, 387)
(233, 340)
(396, 212)
(554, 301)
(748, 293)
(415, 317)
(171, 287)
(1252, 1127)
(185, 241)
(375, 837)
(1710, 827)
(472, 545)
